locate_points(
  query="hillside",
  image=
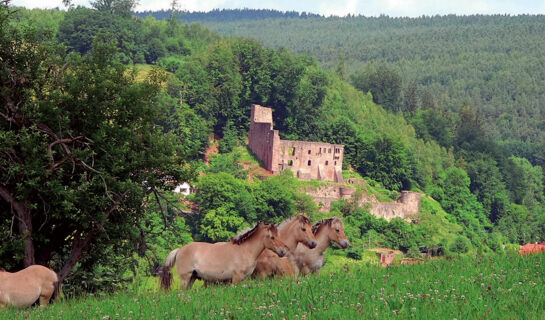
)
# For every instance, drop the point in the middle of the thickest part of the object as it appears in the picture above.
(490, 62)
(106, 112)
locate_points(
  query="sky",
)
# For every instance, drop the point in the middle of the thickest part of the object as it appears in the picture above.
(394, 8)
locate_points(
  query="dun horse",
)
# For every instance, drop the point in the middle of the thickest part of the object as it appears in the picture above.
(222, 261)
(23, 288)
(326, 231)
(292, 231)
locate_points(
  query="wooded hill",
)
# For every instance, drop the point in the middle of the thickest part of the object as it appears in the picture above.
(104, 112)
(492, 63)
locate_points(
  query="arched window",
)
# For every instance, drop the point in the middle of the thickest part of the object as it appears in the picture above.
(309, 162)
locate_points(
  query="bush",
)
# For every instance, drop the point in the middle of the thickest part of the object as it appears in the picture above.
(460, 245)
(414, 252)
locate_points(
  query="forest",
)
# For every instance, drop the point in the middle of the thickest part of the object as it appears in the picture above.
(104, 111)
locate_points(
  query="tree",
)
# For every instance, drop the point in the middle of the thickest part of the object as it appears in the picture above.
(524, 181)
(226, 204)
(384, 83)
(118, 7)
(410, 97)
(79, 141)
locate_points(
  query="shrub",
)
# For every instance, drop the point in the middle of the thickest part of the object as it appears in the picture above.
(460, 245)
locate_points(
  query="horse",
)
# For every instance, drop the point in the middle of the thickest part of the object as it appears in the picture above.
(222, 261)
(531, 248)
(292, 231)
(326, 231)
(23, 288)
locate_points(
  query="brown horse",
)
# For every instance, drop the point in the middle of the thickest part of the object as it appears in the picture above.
(292, 231)
(23, 288)
(326, 231)
(531, 248)
(222, 261)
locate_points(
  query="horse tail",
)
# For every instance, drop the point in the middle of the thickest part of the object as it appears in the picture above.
(164, 271)
(57, 286)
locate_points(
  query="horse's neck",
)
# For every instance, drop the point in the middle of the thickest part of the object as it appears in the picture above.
(253, 247)
(322, 238)
(287, 237)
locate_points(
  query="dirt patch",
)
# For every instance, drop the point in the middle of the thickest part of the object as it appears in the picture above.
(386, 251)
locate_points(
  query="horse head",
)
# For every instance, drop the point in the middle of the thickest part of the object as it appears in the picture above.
(303, 232)
(271, 239)
(335, 231)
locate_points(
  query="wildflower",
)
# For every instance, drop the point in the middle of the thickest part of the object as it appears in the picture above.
(501, 281)
(489, 287)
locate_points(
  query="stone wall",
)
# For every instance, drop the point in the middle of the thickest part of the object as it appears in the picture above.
(308, 160)
(407, 204)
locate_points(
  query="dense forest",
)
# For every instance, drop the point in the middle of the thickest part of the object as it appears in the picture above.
(491, 63)
(104, 112)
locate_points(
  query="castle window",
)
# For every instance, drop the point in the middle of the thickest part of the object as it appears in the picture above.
(309, 162)
(291, 151)
(290, 162)
(326, 162)
(309, 152)
(329, 150)
(335, 163)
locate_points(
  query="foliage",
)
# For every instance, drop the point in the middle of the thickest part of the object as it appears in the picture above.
(79, 142)
(460, 245)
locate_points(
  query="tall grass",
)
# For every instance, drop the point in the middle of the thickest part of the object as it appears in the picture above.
(488, 287)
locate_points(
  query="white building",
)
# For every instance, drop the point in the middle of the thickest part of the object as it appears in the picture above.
(184, 188)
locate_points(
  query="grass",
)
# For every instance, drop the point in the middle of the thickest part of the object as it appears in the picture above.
(492, 287)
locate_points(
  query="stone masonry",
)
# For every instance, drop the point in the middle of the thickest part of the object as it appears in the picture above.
(308, 160)
(317, 161)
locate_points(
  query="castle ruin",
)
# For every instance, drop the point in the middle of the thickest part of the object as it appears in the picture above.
(318, 161)
(308, 160)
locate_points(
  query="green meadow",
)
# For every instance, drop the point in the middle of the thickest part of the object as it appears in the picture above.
(487, 287)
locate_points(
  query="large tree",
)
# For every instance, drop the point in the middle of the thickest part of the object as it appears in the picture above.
(79, 149)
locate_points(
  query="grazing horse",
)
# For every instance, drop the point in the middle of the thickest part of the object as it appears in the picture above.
(326, 231)
(23, 288)
(222, 261)
(531, 248)
(292, 231)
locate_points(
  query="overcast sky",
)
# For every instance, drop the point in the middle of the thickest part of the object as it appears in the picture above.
(411, 8)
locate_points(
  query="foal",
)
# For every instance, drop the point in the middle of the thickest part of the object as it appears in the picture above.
(23, 288)
(222, 261)
(292, 231)
(328, 230)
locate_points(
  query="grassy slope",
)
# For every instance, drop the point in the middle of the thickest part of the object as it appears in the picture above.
(506, 287)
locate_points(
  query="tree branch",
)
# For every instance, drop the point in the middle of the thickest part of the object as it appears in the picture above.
(80, 245)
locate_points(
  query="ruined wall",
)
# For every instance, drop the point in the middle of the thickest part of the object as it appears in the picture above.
(310, 160)
(262, 136)
(307, 160)
(408, 204)
(324, 195)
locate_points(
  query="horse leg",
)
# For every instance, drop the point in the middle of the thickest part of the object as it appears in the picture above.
(45, 295)
(237, 278)
(305, 270)
(187, 280)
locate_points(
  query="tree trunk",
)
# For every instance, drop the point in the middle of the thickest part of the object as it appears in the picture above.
(80, 245)
(24, 219)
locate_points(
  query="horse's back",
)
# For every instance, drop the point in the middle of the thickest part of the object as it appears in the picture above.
(40, 272)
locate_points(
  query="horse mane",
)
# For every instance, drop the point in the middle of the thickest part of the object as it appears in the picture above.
(321, 223)
(247, 234)
(289, 220)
